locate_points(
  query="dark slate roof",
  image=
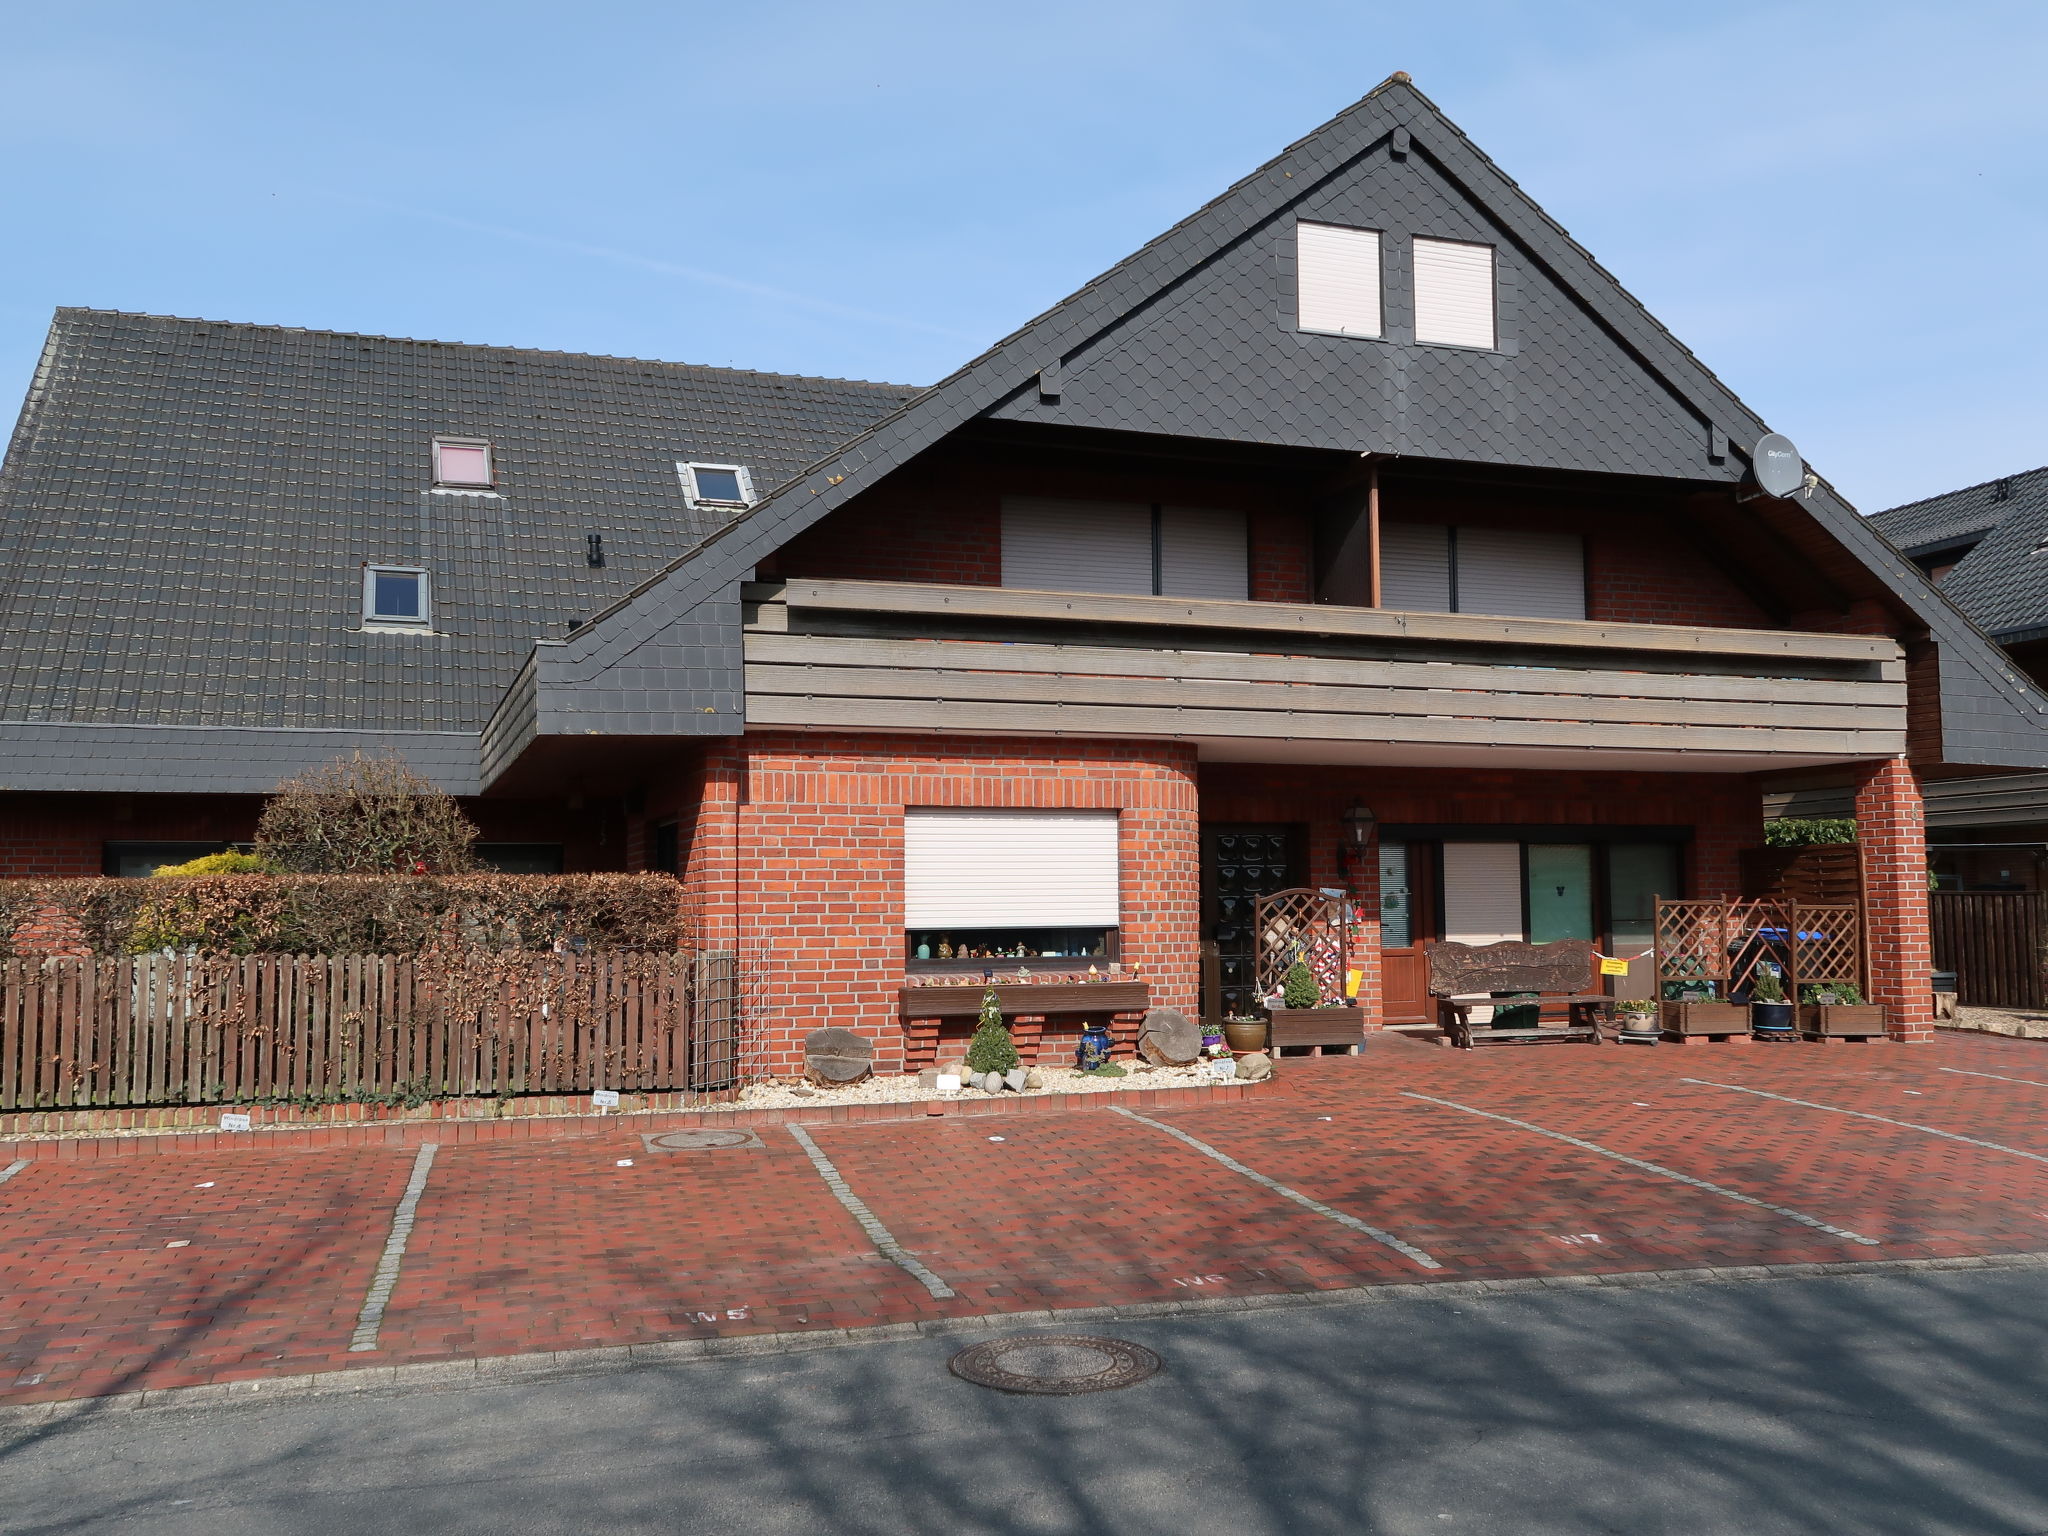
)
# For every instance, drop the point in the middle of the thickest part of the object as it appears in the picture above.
(1955, 516)
(2001, 582)
(187, 505)
(667, 660)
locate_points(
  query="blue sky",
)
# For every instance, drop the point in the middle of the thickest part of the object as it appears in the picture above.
(1843, 208)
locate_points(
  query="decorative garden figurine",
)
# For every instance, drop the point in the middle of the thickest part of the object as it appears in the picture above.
(1095, 1045)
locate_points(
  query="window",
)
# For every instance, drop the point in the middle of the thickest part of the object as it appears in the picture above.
(1514, 572)
(521, 858)
(665, 847)
(1454, 293)
(462, 461)
(1337, 279)
(1010, 886)
(394, 594)
(717, 485)
(134, 861)
(1124, 547)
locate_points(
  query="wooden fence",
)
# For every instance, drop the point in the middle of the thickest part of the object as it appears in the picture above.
(199, 1029)
(1996, 942)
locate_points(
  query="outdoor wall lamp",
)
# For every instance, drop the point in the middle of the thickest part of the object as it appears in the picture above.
(1358, 824)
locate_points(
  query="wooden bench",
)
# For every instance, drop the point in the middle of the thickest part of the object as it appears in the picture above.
(1557, 977)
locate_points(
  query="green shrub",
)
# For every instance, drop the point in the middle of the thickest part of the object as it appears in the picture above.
(365, 816)
(1767, 986)
(991, 1049)
(1299, 990)
(228, 863)
(1793, 832)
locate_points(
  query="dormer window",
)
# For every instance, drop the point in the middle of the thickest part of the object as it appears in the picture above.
(1454, 293)
(717, 485)
(395, 597)
(462, 463)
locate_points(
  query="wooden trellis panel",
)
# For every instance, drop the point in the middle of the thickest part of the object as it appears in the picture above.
(1303, 924)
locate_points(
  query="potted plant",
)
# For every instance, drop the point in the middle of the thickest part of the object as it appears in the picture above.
(1303, 1018)
(1770, 1015)
(1245, 1033)
(1838, 1008)
(1637, 1017)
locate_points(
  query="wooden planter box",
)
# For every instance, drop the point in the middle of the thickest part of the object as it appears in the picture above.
(1841, 1019)
(1032, 999)
(1316, 1026)
(1705, 1018)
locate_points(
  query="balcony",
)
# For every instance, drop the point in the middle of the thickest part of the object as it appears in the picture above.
(1277, 682)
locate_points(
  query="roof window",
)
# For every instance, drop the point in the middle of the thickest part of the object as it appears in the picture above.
(1337, 277)
(395, 596)
(462, 461)
(717, 485)
(1454, 293)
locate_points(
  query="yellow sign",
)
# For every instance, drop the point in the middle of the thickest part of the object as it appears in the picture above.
(1352, 981)
(1609, 966)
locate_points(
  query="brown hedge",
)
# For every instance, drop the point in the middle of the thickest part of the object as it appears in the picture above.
(344, 914)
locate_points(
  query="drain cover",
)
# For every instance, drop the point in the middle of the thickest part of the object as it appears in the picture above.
(697, 1141)
(1054, 1365)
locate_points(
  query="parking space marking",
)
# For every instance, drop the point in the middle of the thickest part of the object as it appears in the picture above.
(1388, 1238)
(2030, 1082)
(884, 1240)
(1657, 1168)
(1864, 1114)
(12, 1169)
(385, 1279)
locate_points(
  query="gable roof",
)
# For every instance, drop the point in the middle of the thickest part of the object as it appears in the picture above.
(2001, 529)
(666, 660)
(187, 505)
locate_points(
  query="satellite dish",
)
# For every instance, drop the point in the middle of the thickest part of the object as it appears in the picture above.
(1779, 469)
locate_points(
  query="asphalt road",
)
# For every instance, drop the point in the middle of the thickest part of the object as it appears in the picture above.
(1867, 1404)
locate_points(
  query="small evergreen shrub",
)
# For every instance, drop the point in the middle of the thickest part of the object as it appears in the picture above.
(1299, 990)
(1767, 987)
(991, 1049)
(228, 863)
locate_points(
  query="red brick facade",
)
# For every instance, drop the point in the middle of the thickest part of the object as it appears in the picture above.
(1892, 828)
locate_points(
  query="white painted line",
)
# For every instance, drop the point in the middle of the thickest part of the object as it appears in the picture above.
(884, 1241)
(385, 1280)
(1960, 1072)
(12, 1169)
(1993, 1146)
(1657, 1168)
(1393, 1242)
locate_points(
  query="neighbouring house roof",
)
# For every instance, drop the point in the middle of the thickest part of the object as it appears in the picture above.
(2000, 529)
(187, 506)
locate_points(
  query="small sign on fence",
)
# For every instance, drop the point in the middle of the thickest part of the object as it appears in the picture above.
(605, 1098)
(233, 1122)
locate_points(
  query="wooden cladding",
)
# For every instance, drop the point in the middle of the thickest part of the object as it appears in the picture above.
(1997, 944)
(884, 655)
(192, 1029)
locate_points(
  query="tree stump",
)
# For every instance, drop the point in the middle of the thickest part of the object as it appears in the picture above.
(835, 1057)
(1169, 1038)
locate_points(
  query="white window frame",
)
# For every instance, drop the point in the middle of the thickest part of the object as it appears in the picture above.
(1329, 240)
(687, 471)
(490, 480)
(942, 888)
(373, 620)
(1492, 343)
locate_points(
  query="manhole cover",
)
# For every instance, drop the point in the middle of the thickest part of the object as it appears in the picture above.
(697, 1141)
(1055, 1365)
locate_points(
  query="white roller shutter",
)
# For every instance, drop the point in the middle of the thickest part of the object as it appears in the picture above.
(1076, 546)
(1202, 553)
(1009, 869)
(1415, 567)
(1525, 575)
(1482, 892)
(1454, 293)
(1337, 277)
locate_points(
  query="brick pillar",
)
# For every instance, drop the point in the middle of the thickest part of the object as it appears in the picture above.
(1892, 829)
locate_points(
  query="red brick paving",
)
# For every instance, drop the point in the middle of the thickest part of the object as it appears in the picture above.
(542, 1244)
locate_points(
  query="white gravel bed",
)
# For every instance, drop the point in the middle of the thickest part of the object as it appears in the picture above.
(904, 1089)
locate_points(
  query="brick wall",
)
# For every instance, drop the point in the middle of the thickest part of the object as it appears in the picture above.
(1642, 579)
(797, 862)
(1891, 826)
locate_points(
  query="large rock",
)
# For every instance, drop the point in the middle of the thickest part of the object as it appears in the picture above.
(1014, 1079)
(1254, 1066)
(1169, 1038)
(835, 1057)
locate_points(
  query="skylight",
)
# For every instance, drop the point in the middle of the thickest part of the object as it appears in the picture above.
(717, 485)
(395, 595)
(462, 461)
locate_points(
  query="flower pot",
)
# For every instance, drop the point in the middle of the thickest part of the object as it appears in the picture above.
(1638, 1028)
(1243, 1038)
(1772, 1020)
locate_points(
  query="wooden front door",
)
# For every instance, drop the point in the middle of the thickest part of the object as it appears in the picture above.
(1240, 863)
(1407, 919)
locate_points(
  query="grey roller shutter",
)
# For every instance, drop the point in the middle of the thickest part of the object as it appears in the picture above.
(1009, 869)
(1202, 553)
(1415, 567)
(1482, 892)
(1454, 293)
(1077, 546)
(1524, 575)
(1337, 275)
